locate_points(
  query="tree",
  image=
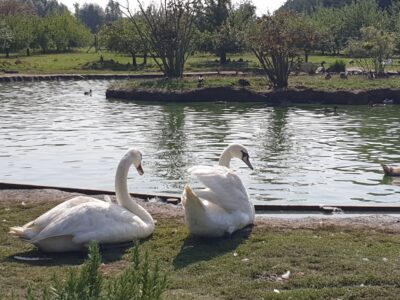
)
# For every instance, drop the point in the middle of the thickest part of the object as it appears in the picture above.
(18, 30)
(216, 28)
(361, 14)
(330, 23)
(275, 40)
(121, 36)
(6, 38)
(60, 31)
(169, 32)
(92, 15)
(44, 8)
(66, 32)
(373, 49)
(113, 11)
(308, 34)
(15, 7)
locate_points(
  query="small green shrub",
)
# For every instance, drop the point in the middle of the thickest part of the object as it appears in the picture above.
(138, 282)
(338, 66)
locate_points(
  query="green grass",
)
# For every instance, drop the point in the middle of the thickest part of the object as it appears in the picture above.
(325, 263)
(84, 63)
(260, 84)
(187, 83)
(355, 82)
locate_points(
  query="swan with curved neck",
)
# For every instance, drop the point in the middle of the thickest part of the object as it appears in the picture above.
(224, 206)
(71, 225)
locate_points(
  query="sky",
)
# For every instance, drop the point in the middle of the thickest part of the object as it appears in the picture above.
(263, 6)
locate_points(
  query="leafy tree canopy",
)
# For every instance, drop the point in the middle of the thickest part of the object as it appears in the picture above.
(309, 6)
(92, 15)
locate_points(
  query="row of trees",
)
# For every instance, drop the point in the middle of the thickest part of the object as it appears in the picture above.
(42, 24)
(173, 30)
(58, 31)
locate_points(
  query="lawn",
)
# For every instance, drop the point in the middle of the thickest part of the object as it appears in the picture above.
(326, 262)
(260, 83)
(83, 63)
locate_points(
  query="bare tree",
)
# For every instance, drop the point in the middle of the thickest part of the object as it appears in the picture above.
(276, 41)
(169, 31)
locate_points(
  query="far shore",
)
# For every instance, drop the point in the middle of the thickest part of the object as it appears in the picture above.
(273, 97)
(222, 86)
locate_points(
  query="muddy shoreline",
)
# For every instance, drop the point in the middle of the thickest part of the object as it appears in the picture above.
(281, 97)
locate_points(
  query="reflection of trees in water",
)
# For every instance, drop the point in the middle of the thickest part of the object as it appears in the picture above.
(276, 138)
(172, 142)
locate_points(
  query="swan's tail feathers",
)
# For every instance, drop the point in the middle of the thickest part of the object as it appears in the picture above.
(386, 169)
(18, 232)
(26, 232)
(189, 198)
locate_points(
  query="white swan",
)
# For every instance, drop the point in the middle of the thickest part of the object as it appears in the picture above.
(224, 206)
(71, 225)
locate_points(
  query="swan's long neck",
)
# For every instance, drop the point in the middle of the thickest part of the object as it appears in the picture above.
(123, 197)
(225, 158)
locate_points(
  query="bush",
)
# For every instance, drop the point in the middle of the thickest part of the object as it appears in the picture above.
(337, 67)
(138, 282)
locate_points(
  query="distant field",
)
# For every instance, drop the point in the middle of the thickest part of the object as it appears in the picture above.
(83, 62)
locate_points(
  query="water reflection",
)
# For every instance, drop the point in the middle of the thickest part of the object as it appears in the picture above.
(171, 143)
(52, 134)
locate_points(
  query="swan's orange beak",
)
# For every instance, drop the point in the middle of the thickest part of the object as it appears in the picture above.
(140, 169)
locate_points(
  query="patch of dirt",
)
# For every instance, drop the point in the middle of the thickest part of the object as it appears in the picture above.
(381, 223)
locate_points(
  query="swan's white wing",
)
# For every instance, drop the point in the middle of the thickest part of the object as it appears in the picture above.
(100, 221)
(225, 188)
(48, 217)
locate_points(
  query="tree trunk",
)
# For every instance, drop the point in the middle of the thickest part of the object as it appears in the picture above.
(7, 53)
(134, 63)
(306, 56)
(222, 58)
(145, 58)
(28, 52)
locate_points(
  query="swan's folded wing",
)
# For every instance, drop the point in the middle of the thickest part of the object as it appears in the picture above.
(48, 217)
(102, 222)
(225, 187)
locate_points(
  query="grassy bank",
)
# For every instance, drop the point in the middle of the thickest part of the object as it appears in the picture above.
(260, 84)
(325, 263)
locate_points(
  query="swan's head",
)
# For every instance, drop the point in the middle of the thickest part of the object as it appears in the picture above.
(135, 158)
(239, 151)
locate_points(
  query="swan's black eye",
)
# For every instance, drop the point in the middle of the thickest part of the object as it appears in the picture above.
(244, 155)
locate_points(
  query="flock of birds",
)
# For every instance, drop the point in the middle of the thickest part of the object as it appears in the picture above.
(221, 208)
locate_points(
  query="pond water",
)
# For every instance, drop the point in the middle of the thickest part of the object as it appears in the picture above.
(51, 134)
